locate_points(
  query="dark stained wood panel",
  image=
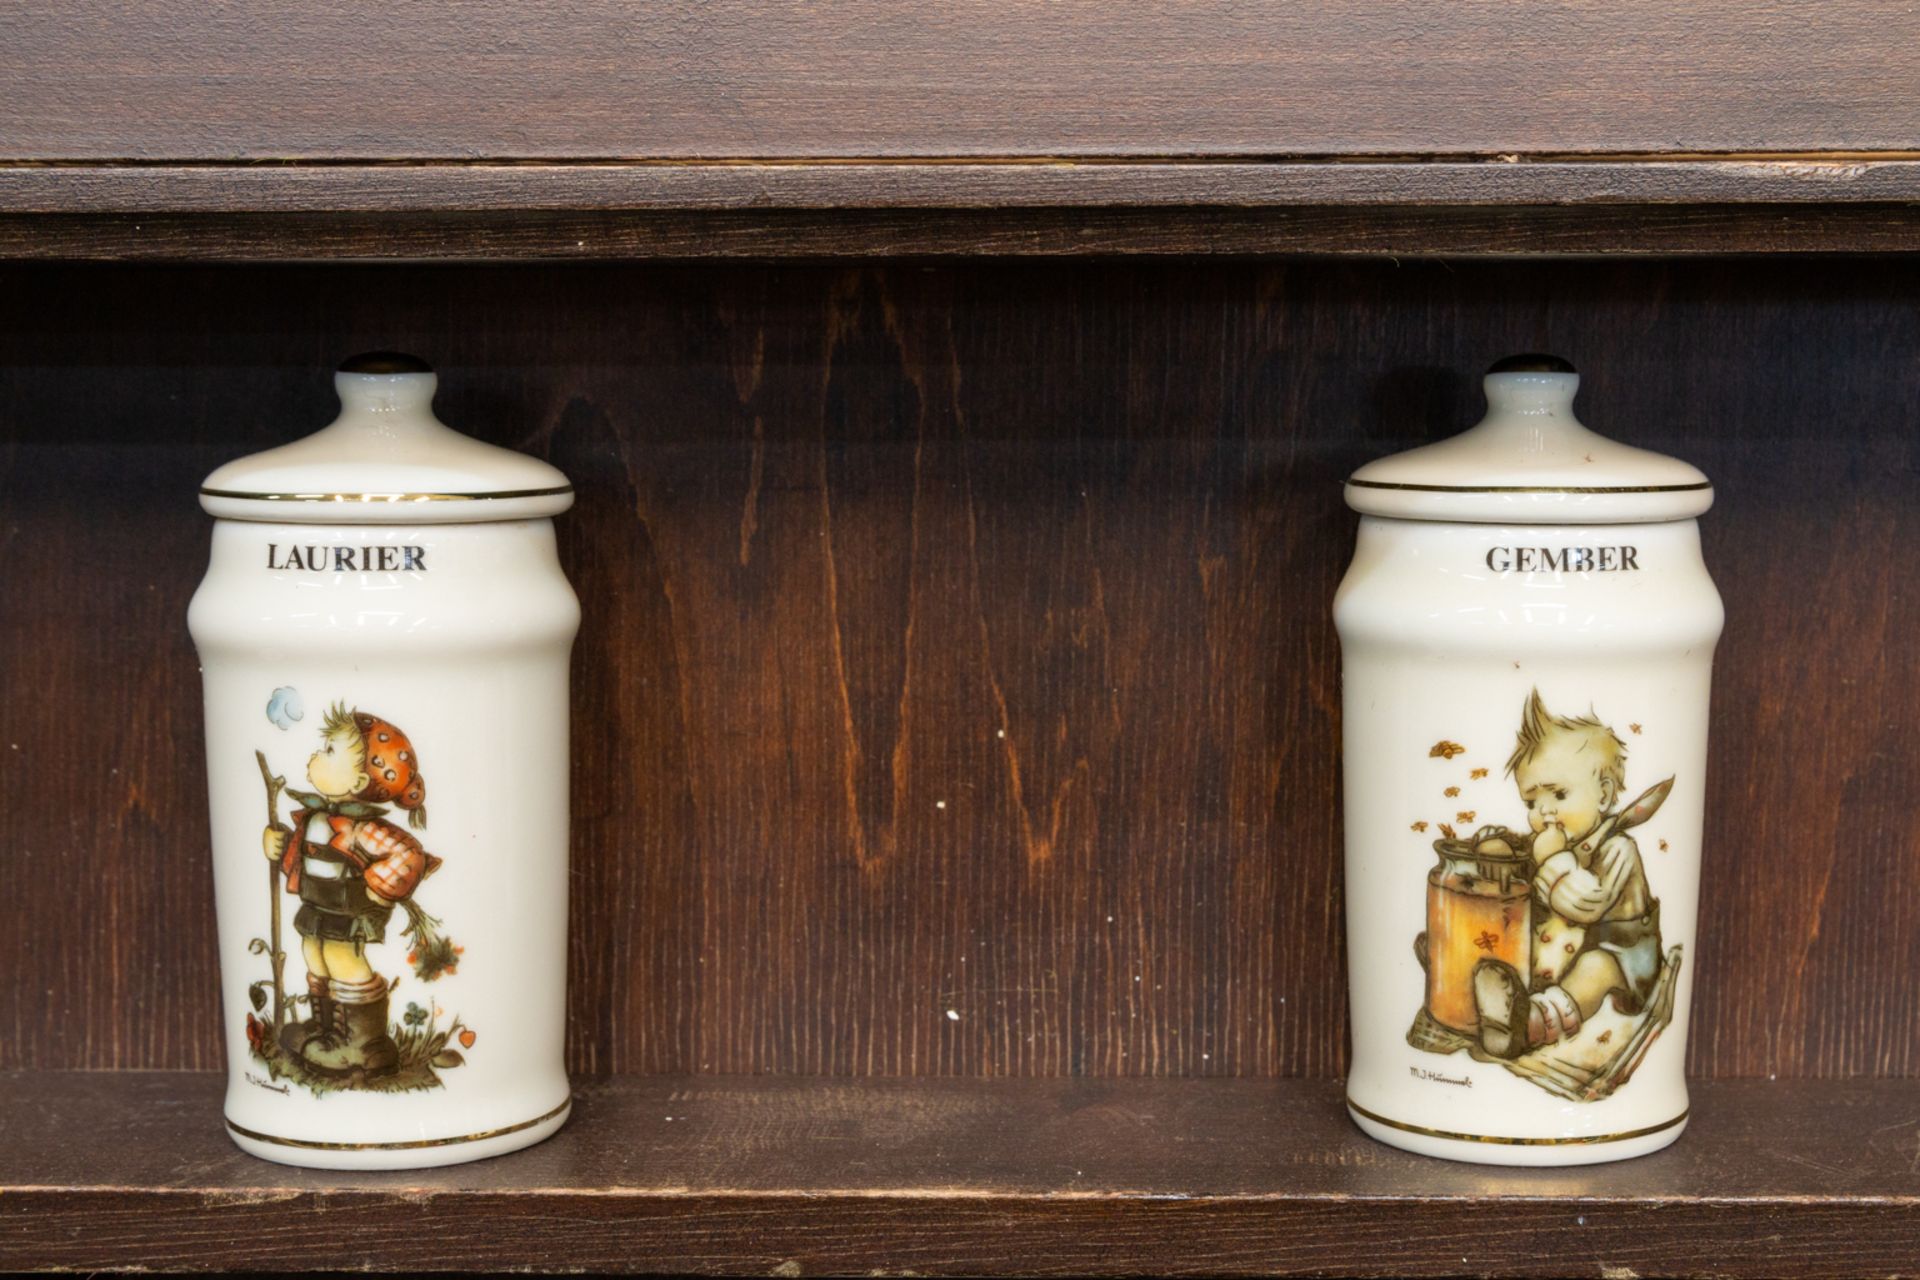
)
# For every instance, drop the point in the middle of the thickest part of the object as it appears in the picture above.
(175, 80)
(842, 528)
(805, 1177)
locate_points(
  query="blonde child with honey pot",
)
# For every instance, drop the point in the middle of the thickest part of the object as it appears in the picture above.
(1587, 875)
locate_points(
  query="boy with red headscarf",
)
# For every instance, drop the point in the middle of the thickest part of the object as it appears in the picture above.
(349, 867)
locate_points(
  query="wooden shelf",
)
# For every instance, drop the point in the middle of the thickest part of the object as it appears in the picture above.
(810, 1175)
(1091, 506)
(970, 606)
(1168, 182)
(597, 79)
(759, 210)
(885, 129)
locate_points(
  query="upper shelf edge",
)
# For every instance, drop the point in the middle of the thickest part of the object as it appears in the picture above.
(1042, 184)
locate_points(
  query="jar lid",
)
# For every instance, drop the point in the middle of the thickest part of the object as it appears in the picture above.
(386, 460)
(1530, 461)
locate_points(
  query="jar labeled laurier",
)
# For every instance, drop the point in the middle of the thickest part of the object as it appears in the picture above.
(384, 633)
(1527, 634)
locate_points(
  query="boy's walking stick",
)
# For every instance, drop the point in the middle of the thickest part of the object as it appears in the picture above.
(279, 957)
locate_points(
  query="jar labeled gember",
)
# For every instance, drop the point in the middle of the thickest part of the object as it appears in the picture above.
(1527, 634)
(384, 633)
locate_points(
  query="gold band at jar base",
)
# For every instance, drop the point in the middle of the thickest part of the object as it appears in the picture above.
(414, 1145)
(1583, 1141)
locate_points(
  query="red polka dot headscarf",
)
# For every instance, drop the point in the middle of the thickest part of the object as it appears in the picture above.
(393, 769)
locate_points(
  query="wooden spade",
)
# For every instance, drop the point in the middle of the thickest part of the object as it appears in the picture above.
(1632, 816)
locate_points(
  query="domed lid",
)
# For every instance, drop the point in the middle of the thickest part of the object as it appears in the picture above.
(386, 460)
(1529, 461)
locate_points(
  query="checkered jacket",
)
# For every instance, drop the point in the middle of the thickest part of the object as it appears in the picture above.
(391, 861)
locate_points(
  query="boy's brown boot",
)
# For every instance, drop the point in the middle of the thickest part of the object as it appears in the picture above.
(1500, 998)
(361, 1042)
(324, 1049)
(294, 1036)
(357, 1040)
(368, 1039)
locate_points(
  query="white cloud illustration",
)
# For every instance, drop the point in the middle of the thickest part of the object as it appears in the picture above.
(284, 707)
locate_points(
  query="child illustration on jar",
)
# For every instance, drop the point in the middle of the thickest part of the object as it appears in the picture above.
(1598, 984)
(349, 867)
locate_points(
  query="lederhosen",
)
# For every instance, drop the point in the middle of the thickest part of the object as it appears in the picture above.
(334, 903)
(1635, 946)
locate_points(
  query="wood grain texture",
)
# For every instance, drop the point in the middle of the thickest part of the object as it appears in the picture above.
(175, 80)
(801, 1177)
(574, 188)
(957, 694)
(558, 236)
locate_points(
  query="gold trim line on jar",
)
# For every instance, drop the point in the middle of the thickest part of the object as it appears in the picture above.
(555, 492)
(1531, 488)
(414, 1145)
(1584, 1140)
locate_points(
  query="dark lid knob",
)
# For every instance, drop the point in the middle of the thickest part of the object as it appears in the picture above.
(384, 362)
(1532, 362)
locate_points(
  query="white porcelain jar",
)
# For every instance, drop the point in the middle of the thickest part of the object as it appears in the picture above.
(384, 633)
(1527, 634)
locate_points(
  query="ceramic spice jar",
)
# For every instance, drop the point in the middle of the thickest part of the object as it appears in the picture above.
(384, 633)
(1527, 634)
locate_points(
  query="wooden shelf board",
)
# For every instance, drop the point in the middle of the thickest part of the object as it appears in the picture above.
(736, 128)
(803, 1175)
(173, 79)
(1494, 231)
(486, 211)
(960, 183)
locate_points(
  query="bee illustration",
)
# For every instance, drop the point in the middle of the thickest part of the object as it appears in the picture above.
(1451, 792)
(1634, 727)
(1477, 774)
(1445, 750)
(1465, 815)
(1419, 826)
